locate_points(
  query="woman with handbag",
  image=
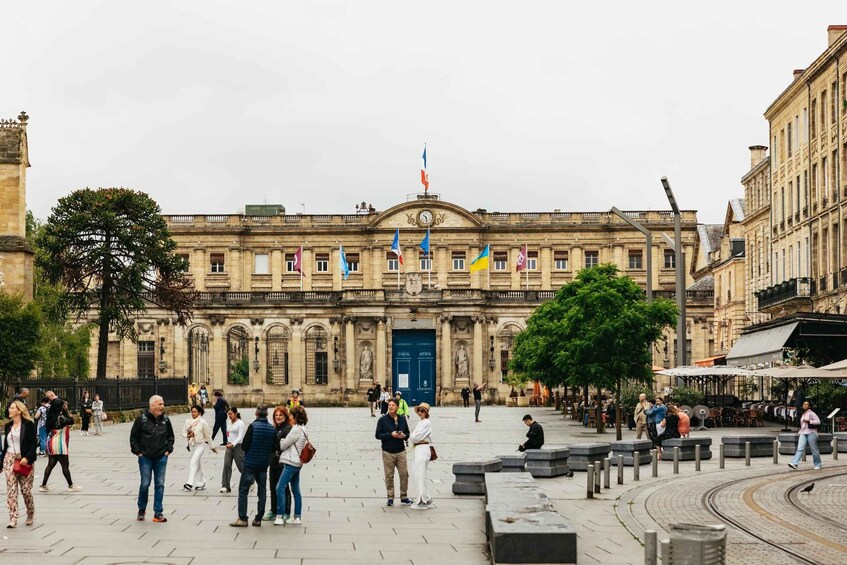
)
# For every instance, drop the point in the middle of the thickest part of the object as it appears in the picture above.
(199, 435)
(98, 415)
(58, 442)
(283, 423)
(85, 411)
(291, 449)
(809, 424)
(421, 438)
(19, 452)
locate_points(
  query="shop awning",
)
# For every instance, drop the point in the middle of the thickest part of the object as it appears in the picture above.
(711, 361)
(764, 346)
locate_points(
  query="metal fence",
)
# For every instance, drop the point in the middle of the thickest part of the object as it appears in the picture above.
(116, 394)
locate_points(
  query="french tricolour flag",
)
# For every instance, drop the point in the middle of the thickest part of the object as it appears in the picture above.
(424, 175)
(395, 246)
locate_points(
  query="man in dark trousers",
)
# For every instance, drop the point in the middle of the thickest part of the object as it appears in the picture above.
(221, 408)
(466, 396)
(393, 430)
(535, 435)
(477, 400)
(372, 397)
(258, 444)
(152, 440)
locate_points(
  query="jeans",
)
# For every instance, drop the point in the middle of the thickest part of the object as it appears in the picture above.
(248, 475)
(278, 506)
(290, 474)
(148, 468)
(477, 404)
(812, 440)
(42, 438)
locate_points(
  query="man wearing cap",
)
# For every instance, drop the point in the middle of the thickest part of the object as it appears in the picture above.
(393, 430)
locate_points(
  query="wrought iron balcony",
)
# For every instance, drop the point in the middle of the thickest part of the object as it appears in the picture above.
(782, 293)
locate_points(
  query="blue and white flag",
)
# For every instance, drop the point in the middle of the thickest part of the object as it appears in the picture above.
(345, 268)
(425, 243)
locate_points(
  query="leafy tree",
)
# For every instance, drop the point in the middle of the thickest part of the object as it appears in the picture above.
(110, 250)
(21, 325)
(687, 396)
(597, 331)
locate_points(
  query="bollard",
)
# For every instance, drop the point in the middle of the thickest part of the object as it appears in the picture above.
(722, 460)
(676, 461)
(650, 547)
(665, 555)
(655, 463)
(607, 472)
(834, 448)
(589, 493)
(746, 453)
(804, 454)
(697, 457)
(598, 469)
(620, 469)
(636, 466)
(776, 452)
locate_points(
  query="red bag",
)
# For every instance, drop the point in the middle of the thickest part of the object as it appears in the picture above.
(308, 450)
(20, 469)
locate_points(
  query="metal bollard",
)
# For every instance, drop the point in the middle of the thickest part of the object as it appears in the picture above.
(650, 539)
(607, 472)
(746, 453)
(834, 448)
(655, 463)
(589, 492)
(722, 457)
(804, 454)
(697, 457)
(776, 452)
(636, 466)
(620, 469)
(598, 468)
(665, 551)
(676, 461)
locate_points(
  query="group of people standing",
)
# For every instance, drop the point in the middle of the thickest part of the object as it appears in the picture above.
(392, 429)
(661, 421)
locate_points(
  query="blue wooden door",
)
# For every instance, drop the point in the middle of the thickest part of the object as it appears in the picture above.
(413, 364)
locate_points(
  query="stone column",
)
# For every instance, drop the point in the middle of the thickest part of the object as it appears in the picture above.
(577, 259)
(545, 264)
(518, 278)
(377, 265)
(335, 268)
(443, 264)
(198, 268)
(298, 353)
(350, 353)
(380, 353)
(217, 354)
(446, 352)
(307, 266)
(234, 267)
(478, 375)
(277, 269)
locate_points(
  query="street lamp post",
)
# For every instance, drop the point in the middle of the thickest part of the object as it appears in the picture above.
(679, 259)
(649, 236)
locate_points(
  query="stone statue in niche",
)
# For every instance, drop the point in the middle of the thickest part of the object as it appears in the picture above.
(462, 363)
(366, 363)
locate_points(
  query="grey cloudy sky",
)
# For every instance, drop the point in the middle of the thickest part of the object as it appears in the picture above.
(525, 106)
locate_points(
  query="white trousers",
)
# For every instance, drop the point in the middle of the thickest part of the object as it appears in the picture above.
(195, 467)
(422, 455)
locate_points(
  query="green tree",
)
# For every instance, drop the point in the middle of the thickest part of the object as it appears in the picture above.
(111, 251)
(21, 326)
(596, 332)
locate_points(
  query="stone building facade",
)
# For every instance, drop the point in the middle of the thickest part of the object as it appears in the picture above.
(16, 256)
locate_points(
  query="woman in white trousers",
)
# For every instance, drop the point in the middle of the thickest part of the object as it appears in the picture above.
(199, 435)
(422, 440)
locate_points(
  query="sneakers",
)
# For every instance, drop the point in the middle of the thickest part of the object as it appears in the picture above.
(44, 488)
(390, 502)
(407, 501)
(225, 490)
(74, 488)
(140, 517)
(818, 468)
(295, 521)
(257, 521)
(187, 487)
(279, 521)
(159, 518)
(793, 466)
(201, 487)
(269, 516)
(239, 523)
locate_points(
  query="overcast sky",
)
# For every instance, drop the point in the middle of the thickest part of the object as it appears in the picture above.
(524, 106)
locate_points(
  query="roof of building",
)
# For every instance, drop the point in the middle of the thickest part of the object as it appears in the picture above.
(710, 236)
(738, 207)
(706, 283)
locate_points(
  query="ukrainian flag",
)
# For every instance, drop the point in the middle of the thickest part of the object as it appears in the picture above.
(481, 262)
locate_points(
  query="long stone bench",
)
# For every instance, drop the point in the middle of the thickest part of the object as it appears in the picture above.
(628, 447)
(842, 441)
(585, 454)
(686, 447)
(788, 444)
(470, 475)
(513, 463)
(760, 446)
(521, 524)
(546, 463)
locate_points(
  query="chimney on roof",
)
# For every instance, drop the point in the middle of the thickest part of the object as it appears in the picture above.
(834, 32)
(797, 73)
(757, 154)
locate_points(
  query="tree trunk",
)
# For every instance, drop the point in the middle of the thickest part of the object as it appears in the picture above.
(103, 336)
(618, 432)
(598, 418)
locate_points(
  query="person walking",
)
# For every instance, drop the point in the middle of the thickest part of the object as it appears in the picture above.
(656, 415)
(41, 421)
(192, 394)
(477, 400)
(204, 396)
(421, 438)
(20, 395)
(258, 445)
(85, 412)
(392, 430)
(196, 429)
(808, 435)
(59, 422)
(534, 436)
(151, 440)
(97, 415)
(283, 422)
(221, 410)
(640, 416)
(19, 448)
(384, 397)
(234, 451)
(466, 396)
(402, 406)
(291, 448)
(372, 398)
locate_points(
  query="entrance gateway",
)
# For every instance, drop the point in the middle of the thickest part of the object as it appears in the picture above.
(413, 365)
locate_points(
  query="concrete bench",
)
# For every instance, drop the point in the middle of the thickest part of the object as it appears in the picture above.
(521, 524)
(514, 463)
(686, 447)
(628, 447)
(552, 462)
(585, 454)
(760, 446)
(842, 441)
(788, 444)
(470, 475)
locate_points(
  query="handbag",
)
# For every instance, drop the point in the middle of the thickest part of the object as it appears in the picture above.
(308, 452)
(20, 469)
(432, 454)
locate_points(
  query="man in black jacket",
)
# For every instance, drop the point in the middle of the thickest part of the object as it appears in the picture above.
(535, 435)
(393, 430)
(152, 440)
(221, 408)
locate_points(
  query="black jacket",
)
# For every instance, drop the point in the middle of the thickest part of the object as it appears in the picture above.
(29, 440)
(54, 410)
(150, 436)
(221, 408)
(385, 426)
(281, 432)
(535, 436)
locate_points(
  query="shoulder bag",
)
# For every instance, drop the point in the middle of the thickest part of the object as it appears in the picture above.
(309, 450)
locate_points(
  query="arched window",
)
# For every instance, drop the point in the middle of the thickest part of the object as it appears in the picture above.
(277, 352)
(238, 356)
(317, 357)
(198, 355)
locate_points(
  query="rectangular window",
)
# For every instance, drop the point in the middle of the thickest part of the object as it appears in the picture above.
(790, 199)
(670, 259)
(782, 202)
(592, 258)
(322, 262)
(823, 110)
(146, 359)
(261, 264)
(813, 114)
(289, 263)
(458, 260)
(789, 145)
(833, 111)
(531, 260)
(805, 125)
(504, 364)
(392, 261)
(321, 367)
(216, 261)
(352, 262)
(825, 175)
(636, 259)
(501, 260)
(814, 184)
(560, 259)
(187, 258)
(797, 210)
(425, 260)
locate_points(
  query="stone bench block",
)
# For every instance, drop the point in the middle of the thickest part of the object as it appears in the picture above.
(470, 475)
(842, 441)
(513, 463)
(585, 454)
(788, 444)
(686, 448)
(550, 462)
(760, 445)
(629, 446)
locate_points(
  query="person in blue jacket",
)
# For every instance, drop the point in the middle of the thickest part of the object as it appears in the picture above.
(656, 414)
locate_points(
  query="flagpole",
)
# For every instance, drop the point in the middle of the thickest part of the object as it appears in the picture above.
(526, 266)
(429, 263)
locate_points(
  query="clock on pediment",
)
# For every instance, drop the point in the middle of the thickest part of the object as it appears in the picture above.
(425, 217)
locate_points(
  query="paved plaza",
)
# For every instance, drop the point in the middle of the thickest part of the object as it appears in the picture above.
(344, 513)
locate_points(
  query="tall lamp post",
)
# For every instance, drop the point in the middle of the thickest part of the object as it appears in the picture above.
(649, 236)
(679, 259)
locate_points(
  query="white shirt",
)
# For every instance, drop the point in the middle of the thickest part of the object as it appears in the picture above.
(422, 432)
(235, 432)
(385, 396)
(14, 439)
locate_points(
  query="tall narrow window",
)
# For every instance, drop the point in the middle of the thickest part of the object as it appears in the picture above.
(146, 359)
(823, 111)
(458, 260)
(289, 263)
(531, 260)
(561, 260)
(635, 259)
(825, 175)
(833, 111)
(216, 262)
(322, 262)
(187, 258)
(592, 258)
(790, 199)
(392, 262)
(789, 145)
(425, 260)
(317, 356)
(501, 260)
(352, 262)
(261, 264)
(670, 259)
(813, 115)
